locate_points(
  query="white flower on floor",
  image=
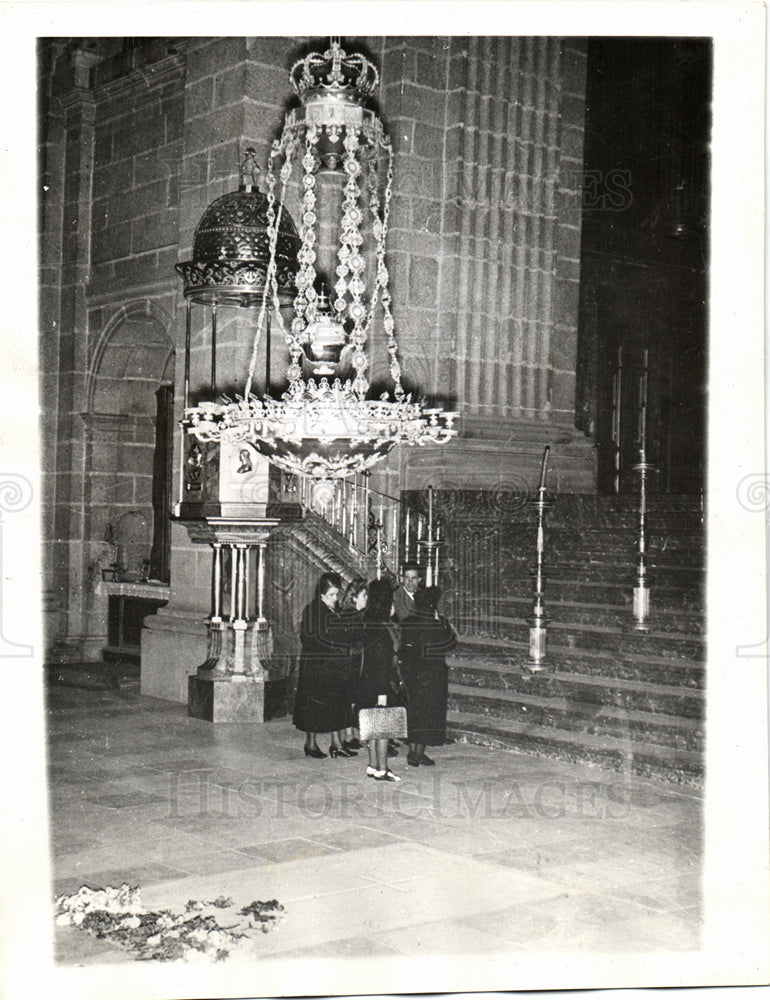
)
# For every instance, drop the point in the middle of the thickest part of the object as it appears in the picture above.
(193, 935)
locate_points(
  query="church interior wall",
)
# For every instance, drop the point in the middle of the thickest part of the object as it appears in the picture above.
(484, 252)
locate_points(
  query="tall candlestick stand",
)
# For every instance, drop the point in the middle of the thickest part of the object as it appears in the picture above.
(378, 529)
(617, 394)
(538, 622)
(641, 600)
(429, 546)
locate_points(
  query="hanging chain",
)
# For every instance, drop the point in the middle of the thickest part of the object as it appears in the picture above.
(352, 262)
(305, 302)
(380, 228)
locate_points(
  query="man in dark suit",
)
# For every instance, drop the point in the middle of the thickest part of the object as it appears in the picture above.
(403, 597)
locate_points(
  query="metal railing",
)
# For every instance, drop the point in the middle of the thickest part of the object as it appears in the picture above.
(384, 530)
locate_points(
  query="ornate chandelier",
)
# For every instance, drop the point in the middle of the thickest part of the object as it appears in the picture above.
(324, 425)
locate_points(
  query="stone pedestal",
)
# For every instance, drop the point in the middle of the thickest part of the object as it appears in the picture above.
(173, 641)
(234, 698)
(230, 685)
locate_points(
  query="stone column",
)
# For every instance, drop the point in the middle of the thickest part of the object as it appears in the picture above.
(64, 499)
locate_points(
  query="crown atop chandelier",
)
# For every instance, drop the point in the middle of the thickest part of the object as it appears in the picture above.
(334, 74)
(328, 429)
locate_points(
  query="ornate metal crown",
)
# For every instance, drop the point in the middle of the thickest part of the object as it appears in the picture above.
(335, 73)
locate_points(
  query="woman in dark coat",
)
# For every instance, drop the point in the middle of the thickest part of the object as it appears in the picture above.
(426, 638)
(322, 703)
(355, 597)
(378, 670)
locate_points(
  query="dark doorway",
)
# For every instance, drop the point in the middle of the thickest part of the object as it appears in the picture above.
(644, 259)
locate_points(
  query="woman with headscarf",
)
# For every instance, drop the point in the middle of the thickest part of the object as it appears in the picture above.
(378, 670)
(322, 703)
(426, 638)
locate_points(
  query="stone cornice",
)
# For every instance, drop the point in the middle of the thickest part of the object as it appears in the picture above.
(162, 288)
(78, 97)
(114, 422)
(140, 80)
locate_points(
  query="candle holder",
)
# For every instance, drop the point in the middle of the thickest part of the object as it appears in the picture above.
(641, 599)
(430, 545)
(538, 621)
(430, 553)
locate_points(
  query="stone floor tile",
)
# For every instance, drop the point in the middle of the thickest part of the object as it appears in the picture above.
(589, 909)
(465, 841)
(577, 922)
(125, 799)
(533, 857)
(405, 828)
(445, 937)
(185, 764)
(355, 838)
(76, 948)
(137, 876)
(645, 932)
(217, 861)
(75, 843)
(171, 849)
(355, 947)
(666, 894)
(607, 873)
(290, 882)
(288, 850)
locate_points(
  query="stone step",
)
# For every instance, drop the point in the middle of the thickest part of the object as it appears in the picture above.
(685, 598)
(566, 612)
(631, 694)
(574, 716)
(517, 579)
(662, 763)
(490, 665)
(599, 638)
(682, 547)
(609, 570)
(625, 555)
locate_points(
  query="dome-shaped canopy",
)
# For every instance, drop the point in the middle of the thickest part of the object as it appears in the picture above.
(231, 252)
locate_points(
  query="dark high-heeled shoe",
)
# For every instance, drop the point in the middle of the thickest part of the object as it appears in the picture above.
(341, 752)
(354, 744)
(314, 752)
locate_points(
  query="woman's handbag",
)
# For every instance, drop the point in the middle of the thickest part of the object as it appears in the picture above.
(387, 722)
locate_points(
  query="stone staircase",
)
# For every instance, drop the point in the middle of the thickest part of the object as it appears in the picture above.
(626, 701)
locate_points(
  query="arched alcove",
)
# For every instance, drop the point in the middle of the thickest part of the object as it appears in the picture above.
(134, 356)
(130, 403)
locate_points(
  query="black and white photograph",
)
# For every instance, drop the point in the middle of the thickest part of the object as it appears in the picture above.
(383, 509)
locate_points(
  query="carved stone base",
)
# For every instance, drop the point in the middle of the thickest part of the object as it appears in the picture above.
(172, 643)
(236, 698)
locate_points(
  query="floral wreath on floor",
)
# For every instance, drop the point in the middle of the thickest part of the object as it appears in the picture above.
(195, 934)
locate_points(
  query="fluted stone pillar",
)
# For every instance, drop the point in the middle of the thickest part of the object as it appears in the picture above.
(485, 245)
